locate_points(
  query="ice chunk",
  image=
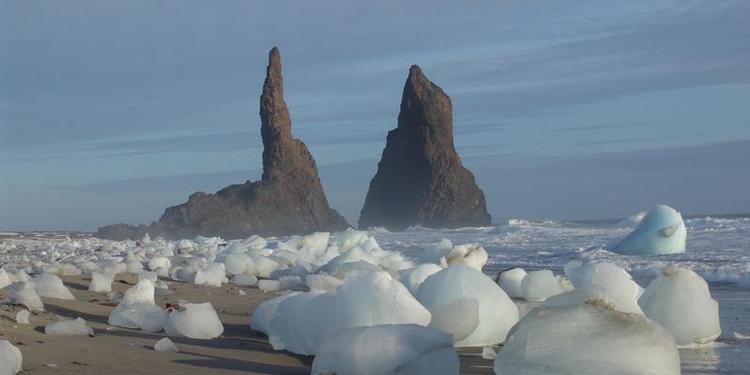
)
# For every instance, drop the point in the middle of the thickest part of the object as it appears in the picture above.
(244, 280)
(488, 352)
(11, 359)
(101, 282)
(364, 299)
(5, 279)
(133, 267)
(51, 286)
(67, 269)
(350, 239)
(265, 312)
(322, 282)
(137, 309)
(587, 339)
(283, 283)
(316, 243)
(264, 265)
(25, 294)
(511, 280)
(413, 278)
(679, 300)
(166, 345)
(159, 262)
(146, 275)
(184, 245)
(410, 349)
(239, 263)
(352, 256)
(75, 327)
(22, 317)
(433, 253)
(537, 286)
(213, 275)
(266, 286)
(255, 242)
(660, 232)
(452, 294)
(601, 281)
(459, 318)
(472, 255)
(21, 276)
(195, 321)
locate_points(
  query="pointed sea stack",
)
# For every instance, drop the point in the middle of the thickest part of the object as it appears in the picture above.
(289, 199)
(420, 178)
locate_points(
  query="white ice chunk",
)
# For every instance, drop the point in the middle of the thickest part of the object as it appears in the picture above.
(166, 345)
(433, 253)
(316, 243)
(137, 309)
(21, 276)
(11, 359)
(238, 263)
(67, 269)
(101, 282)
(364, 299)
(322, 282)
(264, 265)
(265, 312)
(350, 239)
(587, 339)
(133, 267)
(69, 327)
(410, 349)
(184, 245)
(600, 281)
(510, 281)
(212, 275)
(244, 280)
(22, 317)
(5, 278)
(472, 255)
(266, 286)
(51, 286)
(459, 318)
(488, 353)
(414, 277)
(679, 300)
(660, 232)
(146, 275)
(159, 262)
(537, 286)
(452, 295)
(25, 294)
(195, 321)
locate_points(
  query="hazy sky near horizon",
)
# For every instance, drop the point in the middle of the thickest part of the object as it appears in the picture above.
(112, 111)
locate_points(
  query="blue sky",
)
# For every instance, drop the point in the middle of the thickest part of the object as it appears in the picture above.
(112, 111)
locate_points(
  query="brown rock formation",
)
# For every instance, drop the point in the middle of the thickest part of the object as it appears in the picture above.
(289, 199)
(420, 178)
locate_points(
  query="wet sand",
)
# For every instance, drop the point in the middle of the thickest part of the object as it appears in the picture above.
(116, 350)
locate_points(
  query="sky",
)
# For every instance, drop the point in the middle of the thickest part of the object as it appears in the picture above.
(112, 111)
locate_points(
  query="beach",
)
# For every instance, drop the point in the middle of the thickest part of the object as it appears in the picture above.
(115, 350)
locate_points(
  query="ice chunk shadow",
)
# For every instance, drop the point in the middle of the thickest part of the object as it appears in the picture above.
(72, 314)
(77, 286)
(215, 362)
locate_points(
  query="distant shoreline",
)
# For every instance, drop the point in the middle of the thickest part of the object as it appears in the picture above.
(51, 234)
